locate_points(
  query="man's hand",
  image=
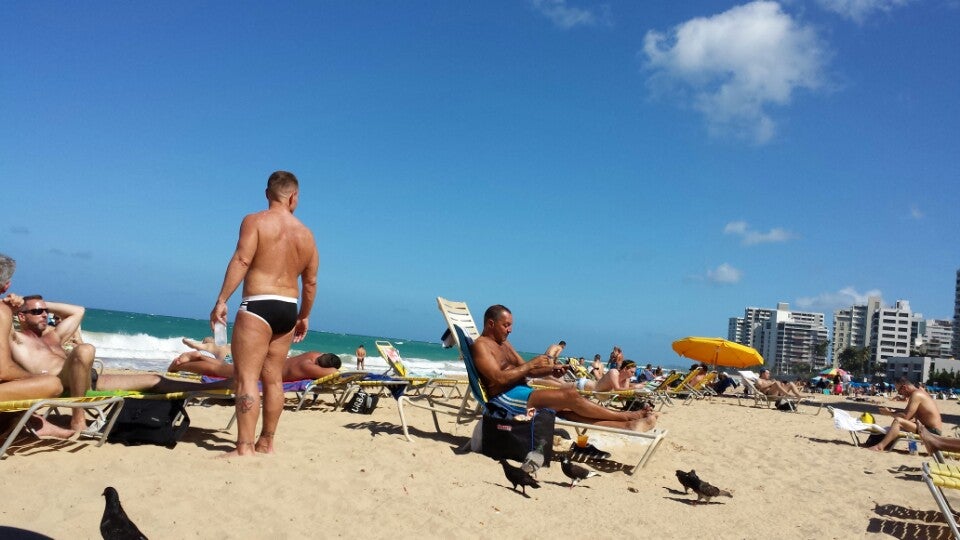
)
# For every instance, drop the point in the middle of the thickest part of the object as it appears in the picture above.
(14, 301)
(218, 315)
(300, 330)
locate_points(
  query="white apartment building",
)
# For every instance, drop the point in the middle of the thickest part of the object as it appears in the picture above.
(890, 333)
(937, 338)
(786, 339)
(852, 326)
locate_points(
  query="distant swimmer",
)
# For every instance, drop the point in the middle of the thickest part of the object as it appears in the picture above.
(274, 251)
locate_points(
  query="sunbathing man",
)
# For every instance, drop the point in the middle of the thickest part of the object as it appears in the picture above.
(41, 352)
(775, 388)
(920, 409)
(309, 365)
(206, 358)
(15, 382)
(503, 373)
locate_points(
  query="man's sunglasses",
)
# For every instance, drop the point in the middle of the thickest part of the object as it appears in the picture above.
(36, 311)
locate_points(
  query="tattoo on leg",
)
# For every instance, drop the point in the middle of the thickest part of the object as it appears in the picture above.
(244, 403)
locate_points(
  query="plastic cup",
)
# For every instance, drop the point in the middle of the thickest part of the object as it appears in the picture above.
(582, 440)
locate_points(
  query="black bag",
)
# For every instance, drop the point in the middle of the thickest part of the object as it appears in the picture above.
(511, 439)
(362, 403)
(150, 421)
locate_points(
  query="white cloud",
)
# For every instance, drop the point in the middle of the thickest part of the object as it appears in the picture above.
(751, 237)
(844, 298)
(724, 274)
(738, 63)
(915, 212)
(859, 10)
(566, 17)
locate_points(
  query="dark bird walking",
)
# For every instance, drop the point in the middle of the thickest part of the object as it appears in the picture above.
(704, 491)
(115, 525)
(518, 477)
(689, 480)
(575, 473)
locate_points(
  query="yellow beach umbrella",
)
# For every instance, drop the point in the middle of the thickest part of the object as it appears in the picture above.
(717, 351)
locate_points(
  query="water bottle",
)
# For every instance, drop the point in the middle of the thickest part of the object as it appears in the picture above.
(219, 334)
(912, 447)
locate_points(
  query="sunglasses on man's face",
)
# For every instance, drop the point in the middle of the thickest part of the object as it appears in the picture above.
(36, 311)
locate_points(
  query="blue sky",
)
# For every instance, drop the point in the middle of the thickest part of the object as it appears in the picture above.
(615, 172)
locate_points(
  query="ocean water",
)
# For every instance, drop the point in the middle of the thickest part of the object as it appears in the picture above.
(146, 342)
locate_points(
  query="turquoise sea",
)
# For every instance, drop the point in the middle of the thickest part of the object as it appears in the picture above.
(150, 342)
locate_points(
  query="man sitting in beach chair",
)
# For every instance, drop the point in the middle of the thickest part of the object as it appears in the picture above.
(38, 349)
(503, 373)
(15, 382)
(920, 409)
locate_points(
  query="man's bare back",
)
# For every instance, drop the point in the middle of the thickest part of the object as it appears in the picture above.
(284, 249)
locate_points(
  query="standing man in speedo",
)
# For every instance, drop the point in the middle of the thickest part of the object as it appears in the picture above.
(274, 250)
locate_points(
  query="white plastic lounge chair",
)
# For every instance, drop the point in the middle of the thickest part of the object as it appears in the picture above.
(443, 386)
(845, 421)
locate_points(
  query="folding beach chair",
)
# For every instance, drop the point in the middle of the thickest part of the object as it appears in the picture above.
(104, 410)
(938, 476)
(444, 386)
(749, 379)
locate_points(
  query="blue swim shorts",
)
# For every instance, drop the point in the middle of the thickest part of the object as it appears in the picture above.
(514, 400)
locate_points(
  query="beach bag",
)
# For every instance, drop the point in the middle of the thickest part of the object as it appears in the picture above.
(507, 438)
(362, 403)
(150, 421)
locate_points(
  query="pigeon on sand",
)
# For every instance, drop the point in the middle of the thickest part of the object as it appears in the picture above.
(575, 473)
(518, 477)
(115, 525)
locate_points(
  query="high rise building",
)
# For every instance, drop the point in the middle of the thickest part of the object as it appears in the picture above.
(937, 340)
(852, 326)
(956, 319)
(788, 340)
(890, 333)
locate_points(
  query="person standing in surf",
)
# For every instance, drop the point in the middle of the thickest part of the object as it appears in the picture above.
(274, 250)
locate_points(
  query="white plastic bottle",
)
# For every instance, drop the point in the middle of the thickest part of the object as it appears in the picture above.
(219, 334)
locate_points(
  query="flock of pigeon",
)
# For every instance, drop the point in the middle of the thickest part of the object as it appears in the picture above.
(526, 476)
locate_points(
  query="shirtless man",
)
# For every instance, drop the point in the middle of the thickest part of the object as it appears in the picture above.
(503, 373)
(39, 350)
(920, 408)
(553, 351)
(596, 368)
(309, 365)
(15, 382)
(774, 388)
(274, 251)
(361, 355)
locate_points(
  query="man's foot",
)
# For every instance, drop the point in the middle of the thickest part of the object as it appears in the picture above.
(876, 448)
(264, 444)
(243, 449)
(192, 343)
(43, 428)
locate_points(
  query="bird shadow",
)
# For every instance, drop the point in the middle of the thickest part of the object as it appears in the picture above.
(508, 488)
(904, 472)
(564, 484)
(691, 502)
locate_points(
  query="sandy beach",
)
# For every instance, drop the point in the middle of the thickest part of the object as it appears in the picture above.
(341, 474)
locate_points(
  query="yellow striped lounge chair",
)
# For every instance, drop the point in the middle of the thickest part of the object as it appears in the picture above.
(103, 408)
